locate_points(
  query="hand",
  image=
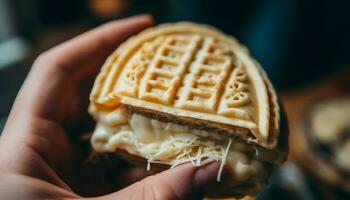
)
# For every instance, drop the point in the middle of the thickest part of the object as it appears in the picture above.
(37, 153)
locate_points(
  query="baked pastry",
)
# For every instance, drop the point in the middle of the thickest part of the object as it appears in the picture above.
(185, 92)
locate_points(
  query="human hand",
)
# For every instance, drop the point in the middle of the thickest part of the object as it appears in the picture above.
(37, 159)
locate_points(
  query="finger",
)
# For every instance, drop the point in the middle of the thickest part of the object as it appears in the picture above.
(129, 177)
(49, 87)
(182, 182)
(52, 80)
(36, 153)
(71, 56)
(105, 174)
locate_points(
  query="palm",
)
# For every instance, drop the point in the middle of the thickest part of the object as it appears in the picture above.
(42, 151)
(58, 109)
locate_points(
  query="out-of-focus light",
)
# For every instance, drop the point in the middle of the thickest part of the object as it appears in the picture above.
(108, 8)
(12, 50)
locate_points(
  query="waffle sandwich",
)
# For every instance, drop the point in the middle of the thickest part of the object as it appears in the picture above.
(184, 92)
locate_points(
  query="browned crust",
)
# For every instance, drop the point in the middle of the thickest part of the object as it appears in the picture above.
(281, 133)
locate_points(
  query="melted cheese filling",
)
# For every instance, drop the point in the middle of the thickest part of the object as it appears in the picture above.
(169, 143)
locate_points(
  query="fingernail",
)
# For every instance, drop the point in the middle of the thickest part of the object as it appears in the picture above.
(206, 175)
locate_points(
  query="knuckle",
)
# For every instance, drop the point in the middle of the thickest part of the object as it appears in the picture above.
(43, 61)
(40, 59)
(49, 61)
(43, 58)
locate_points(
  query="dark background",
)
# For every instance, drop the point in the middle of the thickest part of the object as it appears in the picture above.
(297, 42)
(298, 39)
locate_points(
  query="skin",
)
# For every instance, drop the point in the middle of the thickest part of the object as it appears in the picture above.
(37, 157)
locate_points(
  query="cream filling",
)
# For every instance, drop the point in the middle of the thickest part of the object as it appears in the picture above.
(169, 143)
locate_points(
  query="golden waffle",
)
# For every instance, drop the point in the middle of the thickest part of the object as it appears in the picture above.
(191, 71)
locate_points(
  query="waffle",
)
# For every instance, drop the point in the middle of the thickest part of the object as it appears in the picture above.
(184, 92)
(194, 75)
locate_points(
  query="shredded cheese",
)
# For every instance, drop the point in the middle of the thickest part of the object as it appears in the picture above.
(148, 165)
(174, 150)
(174, 146)
(223, 160)
(199, 153)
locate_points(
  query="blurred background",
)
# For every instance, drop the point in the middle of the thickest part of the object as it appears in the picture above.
(303, 45)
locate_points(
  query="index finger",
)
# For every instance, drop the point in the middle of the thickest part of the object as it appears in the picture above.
(100, 42)
(54, 74)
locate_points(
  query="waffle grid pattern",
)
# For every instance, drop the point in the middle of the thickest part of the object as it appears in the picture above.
(188, 72)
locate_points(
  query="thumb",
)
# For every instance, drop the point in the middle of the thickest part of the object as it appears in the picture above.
(182, 182)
